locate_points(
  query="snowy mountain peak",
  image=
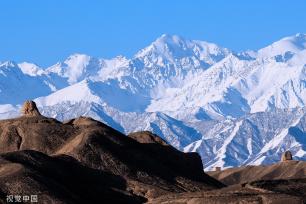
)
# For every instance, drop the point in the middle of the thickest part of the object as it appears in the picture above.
(172, 49)
(77, 59)
(299, 40)
(164, 45)
(30, 69)
(171, 43)
(169, 39)
(287, 45)
(76, 67)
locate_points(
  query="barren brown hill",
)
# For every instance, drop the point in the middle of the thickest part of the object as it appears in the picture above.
(145, 169)
(283, 170)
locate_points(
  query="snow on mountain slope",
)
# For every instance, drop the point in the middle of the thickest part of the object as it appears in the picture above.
(197, 90)
(198, 96)
(179, 51)
(16, 87)
(286, 47)
(76, 67)
(109, 93)
(258, 138)
(73, 94)
(30, 69)
(172, 130)
(169, 59)
(274, 85)
(243, 85)
(114, 68)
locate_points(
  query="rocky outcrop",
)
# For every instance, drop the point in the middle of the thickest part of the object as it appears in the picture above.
(29, 109)
(286, 156)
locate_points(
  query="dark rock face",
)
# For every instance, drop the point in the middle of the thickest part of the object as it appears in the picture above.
(60, 161)
(179, 163)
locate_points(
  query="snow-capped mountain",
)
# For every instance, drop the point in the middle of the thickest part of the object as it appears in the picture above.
(258, 138)
(232, 108)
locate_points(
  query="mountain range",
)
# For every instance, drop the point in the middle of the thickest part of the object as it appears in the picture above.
(233, 108)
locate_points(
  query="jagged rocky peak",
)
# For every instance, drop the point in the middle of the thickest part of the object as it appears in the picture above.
(30, 109)
(287, 156)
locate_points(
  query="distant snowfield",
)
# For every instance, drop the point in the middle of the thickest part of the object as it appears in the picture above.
(232, 108)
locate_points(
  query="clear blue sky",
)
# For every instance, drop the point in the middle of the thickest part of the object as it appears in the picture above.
(47, 31)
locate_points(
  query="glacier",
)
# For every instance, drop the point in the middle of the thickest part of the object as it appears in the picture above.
(232, 108)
